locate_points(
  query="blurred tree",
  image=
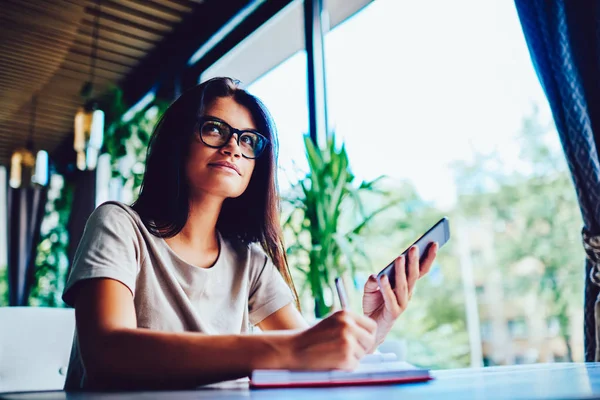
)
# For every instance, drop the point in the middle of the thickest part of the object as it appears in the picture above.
(534, 207)
(434, 325)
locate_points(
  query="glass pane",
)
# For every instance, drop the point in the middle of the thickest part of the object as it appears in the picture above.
(447, 105)
(283, 91)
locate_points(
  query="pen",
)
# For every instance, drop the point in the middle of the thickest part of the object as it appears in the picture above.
(339, 285)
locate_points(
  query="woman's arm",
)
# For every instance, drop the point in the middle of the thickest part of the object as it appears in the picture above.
(115, 351)
(117, 354)
(286, 318)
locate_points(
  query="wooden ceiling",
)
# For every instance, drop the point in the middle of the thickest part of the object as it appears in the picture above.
(45, 48)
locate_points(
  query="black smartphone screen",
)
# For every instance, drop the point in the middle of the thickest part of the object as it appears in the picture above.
(440, 233)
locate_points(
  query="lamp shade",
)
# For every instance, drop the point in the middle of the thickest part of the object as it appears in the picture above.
(89, 137)
(40, 175)
(21, 168)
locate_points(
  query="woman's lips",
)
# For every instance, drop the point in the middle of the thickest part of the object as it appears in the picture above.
(226, 165)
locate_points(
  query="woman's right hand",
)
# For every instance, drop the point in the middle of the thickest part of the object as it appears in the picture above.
(337, 342)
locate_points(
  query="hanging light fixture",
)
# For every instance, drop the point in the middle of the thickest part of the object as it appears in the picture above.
(89, 120)
(25, 168)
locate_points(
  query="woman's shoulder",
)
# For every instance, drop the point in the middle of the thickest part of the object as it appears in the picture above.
(257, 252)
(114, 213)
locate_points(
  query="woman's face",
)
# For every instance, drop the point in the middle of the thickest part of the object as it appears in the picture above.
(221, 172)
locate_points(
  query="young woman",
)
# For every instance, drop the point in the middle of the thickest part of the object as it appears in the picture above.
(165, 291)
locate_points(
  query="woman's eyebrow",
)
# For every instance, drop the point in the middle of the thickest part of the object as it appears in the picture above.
(225, 122)
(208, 116)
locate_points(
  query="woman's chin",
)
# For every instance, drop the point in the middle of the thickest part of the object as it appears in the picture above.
(224, 191)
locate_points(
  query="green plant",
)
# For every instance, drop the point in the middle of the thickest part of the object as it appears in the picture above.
(126, 141)
(326, 220)
(3, 286)
(51, 260)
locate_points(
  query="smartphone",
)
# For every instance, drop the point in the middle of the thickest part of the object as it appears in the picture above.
(440, 233)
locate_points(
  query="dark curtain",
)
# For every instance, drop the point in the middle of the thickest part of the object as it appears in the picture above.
(26, 208)
(84, 202)
(563, 37)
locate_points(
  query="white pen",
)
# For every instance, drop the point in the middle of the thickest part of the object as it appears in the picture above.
(339, 285)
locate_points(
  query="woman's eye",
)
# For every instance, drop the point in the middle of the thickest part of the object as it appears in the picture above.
(212, 129)
(248, 140)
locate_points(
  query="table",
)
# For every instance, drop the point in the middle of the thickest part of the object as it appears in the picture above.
(537, 381)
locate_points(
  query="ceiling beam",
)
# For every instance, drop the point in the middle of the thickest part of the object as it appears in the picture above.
(170, 57)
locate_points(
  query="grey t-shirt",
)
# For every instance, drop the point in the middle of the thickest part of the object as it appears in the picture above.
(241, 289)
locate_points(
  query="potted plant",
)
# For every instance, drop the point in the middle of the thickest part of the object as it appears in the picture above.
(326, 219)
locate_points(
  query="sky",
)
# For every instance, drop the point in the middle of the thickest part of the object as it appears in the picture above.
(412, 87)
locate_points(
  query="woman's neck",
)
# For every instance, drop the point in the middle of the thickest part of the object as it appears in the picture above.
(199, 231)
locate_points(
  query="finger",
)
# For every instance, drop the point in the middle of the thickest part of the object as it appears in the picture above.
(354, 349)
(366, 323)
(371, 286)
(359, 351)
(413, 268)
(401, 289)
(428, 260)
(389, 298)
(353, 329)
(364, 338)
(350, 318)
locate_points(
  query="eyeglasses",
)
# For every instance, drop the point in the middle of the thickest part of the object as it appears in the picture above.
(216, 133)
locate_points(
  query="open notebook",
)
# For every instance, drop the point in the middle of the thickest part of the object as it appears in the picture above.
(373, 369)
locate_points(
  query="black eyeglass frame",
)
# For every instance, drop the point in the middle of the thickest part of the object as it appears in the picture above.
(232, 131)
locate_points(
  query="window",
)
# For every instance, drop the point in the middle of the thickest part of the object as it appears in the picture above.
(259, 52)
(560, 358)
(272, 64)
(519, 359)
(517, 328)
(553, 326)
(477, 255)
(448, 106)
(480, 290)
(488, 362)
(289, 110)
(275, 71)
(486, 330)
(460, 126)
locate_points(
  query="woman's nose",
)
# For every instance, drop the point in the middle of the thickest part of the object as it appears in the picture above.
(232, 148)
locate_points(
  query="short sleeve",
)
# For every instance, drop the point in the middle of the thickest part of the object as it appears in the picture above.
(109, 248)
(268, 290)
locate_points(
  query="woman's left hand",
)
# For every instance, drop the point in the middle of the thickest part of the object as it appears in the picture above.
(385, 304)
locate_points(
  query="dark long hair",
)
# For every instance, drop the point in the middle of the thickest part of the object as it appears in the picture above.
(163, 203)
